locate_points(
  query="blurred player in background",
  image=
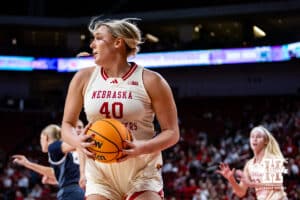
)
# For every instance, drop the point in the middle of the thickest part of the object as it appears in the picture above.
(64, 170)
(116, 88)
(264, 171)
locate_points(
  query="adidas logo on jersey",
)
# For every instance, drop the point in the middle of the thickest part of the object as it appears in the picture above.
(115, 81)
(133, 83)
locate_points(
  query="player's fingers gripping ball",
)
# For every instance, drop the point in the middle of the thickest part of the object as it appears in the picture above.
(109, 137)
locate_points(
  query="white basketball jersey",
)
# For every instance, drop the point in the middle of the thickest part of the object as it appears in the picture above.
(263, 174)
(124, 99)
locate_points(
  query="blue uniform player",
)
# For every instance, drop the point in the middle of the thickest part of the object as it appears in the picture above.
(64, 161)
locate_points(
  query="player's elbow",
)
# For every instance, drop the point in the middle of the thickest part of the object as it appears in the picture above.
(174, 136)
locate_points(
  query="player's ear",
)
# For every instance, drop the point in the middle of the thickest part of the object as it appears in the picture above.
(119, 42)
(47, 137)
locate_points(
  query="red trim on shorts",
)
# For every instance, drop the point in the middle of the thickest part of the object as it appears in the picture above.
(136, 194)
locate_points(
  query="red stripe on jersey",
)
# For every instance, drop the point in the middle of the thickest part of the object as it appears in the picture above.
(103, 74)
(125, 76)
(128, 74)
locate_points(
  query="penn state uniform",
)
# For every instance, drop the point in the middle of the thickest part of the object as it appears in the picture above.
(125, 99)
(66, 168)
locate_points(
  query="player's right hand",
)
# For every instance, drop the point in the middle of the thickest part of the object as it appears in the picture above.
(20, 159)
(226, 171)
(86, 141)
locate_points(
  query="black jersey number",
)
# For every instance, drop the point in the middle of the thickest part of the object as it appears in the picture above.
(116, 109)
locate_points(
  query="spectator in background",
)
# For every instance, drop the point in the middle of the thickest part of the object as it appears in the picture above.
(8, 189)
(19, 195)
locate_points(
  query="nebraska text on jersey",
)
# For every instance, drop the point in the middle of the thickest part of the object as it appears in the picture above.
(107, 94)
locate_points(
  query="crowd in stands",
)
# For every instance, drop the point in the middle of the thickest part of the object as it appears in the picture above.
(212, 131)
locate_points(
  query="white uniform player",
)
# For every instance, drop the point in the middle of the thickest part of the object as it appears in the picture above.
(126, 100)
(115, 88)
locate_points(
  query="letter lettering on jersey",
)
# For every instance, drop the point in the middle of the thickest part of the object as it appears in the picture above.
(108, 94)
(131, 126)
(114, 95)
(94, 94)
(99, 94)
(103, 94)
(130, 95)
(124, 95)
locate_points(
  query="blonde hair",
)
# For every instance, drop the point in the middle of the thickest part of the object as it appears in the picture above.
(121, 28)
(53, 131)
(272, 148)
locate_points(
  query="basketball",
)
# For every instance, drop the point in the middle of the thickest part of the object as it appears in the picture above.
(109, 135)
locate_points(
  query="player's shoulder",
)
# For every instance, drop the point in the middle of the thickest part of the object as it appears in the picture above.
(151, 76)
(86, 71)
(249, 162)
(55, 147)
(83, 74)
(154, 82)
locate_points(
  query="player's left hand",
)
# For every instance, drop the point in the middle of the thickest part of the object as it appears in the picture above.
(225, 171)
(86, 141)
(133, 149)
(20, 160)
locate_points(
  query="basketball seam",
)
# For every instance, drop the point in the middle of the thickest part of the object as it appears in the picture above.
(103, 151)
(115, 129)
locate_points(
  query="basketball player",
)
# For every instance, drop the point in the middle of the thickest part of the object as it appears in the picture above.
(116, 88)
(64, 169)
(263, 172)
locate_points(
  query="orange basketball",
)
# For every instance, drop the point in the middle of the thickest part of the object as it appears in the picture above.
(109, 135)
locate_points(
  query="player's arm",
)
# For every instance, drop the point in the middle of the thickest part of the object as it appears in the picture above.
(240, 188)
(41, 169)
(166, 112)
(72, 109)
(65, 147)
(82, 159)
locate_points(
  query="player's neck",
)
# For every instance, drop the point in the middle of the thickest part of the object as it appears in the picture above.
(117, 70)
(258, 156)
